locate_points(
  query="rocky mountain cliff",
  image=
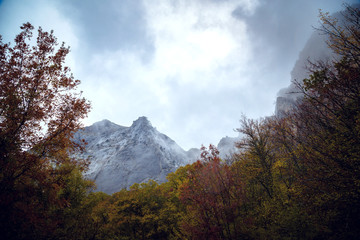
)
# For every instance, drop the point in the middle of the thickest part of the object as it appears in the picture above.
(315, 49)
(121, 156)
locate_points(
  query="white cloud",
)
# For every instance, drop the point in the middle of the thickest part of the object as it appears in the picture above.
(193, 37)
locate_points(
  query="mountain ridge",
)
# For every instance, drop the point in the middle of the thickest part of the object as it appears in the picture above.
(121, 156)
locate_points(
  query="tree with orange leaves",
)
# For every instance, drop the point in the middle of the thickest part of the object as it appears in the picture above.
(40, 110)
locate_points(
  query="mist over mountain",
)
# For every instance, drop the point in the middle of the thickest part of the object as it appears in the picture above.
(315, 49)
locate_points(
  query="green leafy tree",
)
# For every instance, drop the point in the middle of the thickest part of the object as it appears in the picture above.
(143, 212)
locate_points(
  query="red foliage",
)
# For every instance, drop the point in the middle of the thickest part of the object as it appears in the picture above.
(213, 197)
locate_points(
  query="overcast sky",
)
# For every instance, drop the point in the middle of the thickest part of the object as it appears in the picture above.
(193, 67)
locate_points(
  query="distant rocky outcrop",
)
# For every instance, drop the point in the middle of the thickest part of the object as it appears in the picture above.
(227, 147)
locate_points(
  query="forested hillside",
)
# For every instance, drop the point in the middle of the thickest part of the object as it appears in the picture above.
(294, 177)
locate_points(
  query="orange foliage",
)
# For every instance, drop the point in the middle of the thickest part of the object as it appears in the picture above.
(39, 112)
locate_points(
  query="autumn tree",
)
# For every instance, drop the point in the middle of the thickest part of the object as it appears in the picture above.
(213, 198)
(40, 110)
(257, 153)
(270, 183)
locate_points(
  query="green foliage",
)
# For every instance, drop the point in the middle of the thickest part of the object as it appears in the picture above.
(145, 211)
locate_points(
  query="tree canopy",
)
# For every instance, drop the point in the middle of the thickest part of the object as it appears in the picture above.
(40, 110)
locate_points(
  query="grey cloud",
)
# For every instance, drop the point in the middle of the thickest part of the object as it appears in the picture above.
(110, 25)
(280, 28)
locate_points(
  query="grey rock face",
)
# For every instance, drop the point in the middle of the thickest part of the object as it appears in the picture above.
(315, 49)
(283, 106)
(121, 156)
(227, 147)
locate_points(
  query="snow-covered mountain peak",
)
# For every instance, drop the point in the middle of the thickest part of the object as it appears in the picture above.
(104, 123)
(142, 127)
(121, 156)
(141, 123)
(104, 126)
